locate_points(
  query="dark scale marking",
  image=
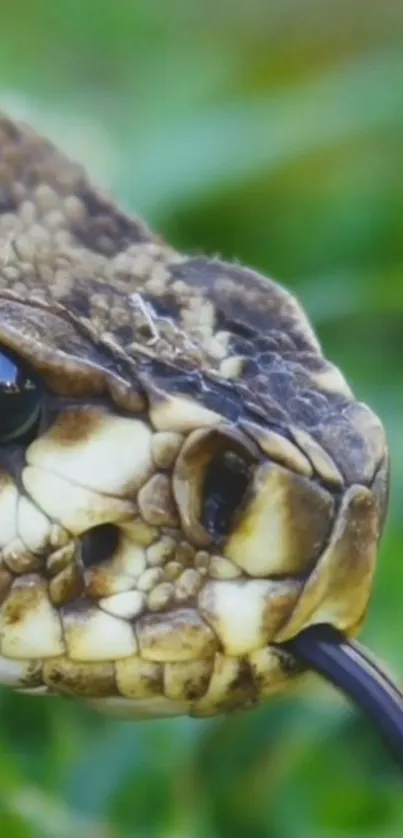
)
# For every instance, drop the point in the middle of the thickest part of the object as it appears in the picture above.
(250, 302)
(165, 306)
(221, 397)
(281, 386)
(227, 404)
(274, 343)
(243, 680)
(267, 359)
(316, 400)
(241, 346)
(301, 409)
(167, 377)
(240, 331)
(103, 231)
(7, 201)
(124, 334)
(81, 302)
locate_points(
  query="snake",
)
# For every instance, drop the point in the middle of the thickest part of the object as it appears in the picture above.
(187, 484)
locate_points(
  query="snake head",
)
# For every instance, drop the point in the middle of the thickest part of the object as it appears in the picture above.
(185, 481)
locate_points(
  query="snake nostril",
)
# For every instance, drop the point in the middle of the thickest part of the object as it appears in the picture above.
(99, 544)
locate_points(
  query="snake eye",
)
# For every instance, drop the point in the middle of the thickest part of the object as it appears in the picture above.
(211, 479)
(225, 486)
(20, 401)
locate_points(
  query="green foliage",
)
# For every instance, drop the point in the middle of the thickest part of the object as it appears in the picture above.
(271, 133)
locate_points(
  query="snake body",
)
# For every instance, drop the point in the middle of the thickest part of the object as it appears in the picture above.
(201, 484)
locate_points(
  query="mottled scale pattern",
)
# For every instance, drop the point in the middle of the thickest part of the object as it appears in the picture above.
(152, 365)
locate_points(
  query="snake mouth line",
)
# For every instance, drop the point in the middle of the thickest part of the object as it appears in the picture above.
(348, 666)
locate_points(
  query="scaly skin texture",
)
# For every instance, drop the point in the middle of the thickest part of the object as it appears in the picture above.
(112, 586)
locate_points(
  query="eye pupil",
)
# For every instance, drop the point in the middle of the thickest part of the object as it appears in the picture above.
(20, 400)
(225, 485)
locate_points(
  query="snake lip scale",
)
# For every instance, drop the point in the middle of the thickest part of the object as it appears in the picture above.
(189, 489)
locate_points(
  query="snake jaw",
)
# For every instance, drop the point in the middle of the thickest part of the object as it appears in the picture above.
(165, 621)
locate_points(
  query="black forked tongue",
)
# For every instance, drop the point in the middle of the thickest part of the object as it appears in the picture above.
(347, 666)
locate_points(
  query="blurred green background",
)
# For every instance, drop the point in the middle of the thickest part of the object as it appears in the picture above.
(272, 133)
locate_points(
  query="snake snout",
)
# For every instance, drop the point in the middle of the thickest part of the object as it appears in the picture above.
(304, 522)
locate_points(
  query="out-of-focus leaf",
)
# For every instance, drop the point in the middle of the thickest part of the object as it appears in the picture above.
(269, 133)
(48, 818)
(221, 146)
